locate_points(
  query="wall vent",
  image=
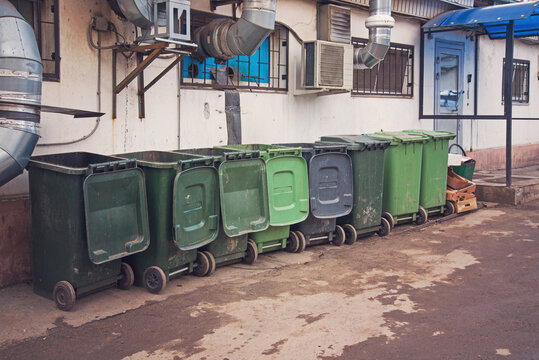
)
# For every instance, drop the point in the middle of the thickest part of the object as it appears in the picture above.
(334, 23)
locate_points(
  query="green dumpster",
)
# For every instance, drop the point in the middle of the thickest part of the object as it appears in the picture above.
(402, 177)
(244, 203)
(367, 156)
(288, 195)
(88, 212)
(432, 194)
(183, 205)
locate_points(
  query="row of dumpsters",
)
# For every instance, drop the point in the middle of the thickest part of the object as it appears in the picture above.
(145, 217)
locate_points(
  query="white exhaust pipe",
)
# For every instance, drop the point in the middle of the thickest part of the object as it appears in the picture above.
(379, 24)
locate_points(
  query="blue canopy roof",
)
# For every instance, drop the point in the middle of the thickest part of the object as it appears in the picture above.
(491, 19)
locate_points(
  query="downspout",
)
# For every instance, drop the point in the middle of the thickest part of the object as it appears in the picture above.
(224, 39)
(379, 24)
(20, 81)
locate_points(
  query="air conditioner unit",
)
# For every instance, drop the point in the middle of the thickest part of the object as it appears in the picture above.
(327, 65)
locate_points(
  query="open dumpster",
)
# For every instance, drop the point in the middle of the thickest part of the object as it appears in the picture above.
(288, 195)
(244, 203)
(183, 205)
(89, 212)
(330, 192)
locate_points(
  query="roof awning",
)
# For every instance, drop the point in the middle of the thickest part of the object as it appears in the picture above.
(491, 20)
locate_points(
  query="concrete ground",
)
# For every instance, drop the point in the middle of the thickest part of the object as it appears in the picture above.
(465, 288)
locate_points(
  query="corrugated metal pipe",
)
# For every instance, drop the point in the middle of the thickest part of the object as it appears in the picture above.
(224, 39)
(20, 82)
(379, 24)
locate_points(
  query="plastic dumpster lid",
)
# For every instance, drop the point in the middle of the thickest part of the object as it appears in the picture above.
(397, 137)
(243, 191)
(116, 214)
(365, 142)
(442, 135)
(195, 206)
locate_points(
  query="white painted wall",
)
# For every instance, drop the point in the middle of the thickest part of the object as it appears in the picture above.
(196, 117)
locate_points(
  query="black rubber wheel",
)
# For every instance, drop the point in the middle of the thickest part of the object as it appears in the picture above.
(385, 227)
(351, 234)
(203, 265)
(64, 295)
(422, 216)
(338, 236)
(251, 254)
(154, 279)
(302, 241)
(292, 243)
(213, 263)
(389, 218)
(449, 208)
(127, 277)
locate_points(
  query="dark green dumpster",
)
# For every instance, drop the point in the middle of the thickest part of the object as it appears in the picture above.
(183, 205)
(288, 194)
(330, 192)
(402, 177)
(244, 203)
(432, 193)
(367, 156)
(88, 212)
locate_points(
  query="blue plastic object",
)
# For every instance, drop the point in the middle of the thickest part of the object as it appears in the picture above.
(492, 19)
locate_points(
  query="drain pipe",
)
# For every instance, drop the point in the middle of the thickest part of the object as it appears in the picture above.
(20, 82)
(224, 39)
(379, 24)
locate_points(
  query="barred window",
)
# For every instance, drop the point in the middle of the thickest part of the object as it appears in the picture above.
(394, 76)
(521, 81)
(43, 16)
(266, 69)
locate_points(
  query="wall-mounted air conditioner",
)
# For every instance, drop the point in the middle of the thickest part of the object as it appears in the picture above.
(327, 65)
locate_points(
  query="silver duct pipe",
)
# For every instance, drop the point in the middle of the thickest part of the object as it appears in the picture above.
(379, 24)
(224, 39)
(139, 12)
(20, 82)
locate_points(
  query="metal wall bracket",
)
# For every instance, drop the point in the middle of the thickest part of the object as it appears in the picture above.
(215, 3)
(146, 54)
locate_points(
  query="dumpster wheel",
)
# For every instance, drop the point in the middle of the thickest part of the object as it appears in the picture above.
(339, 236)
(64, 295)
(292, 243)
(213, 263)
(351, 234)
(422, 216)
(449, 208)
(386, 215)
(203, 265)
(154, 279)
(251, 254)
(385, 228)
(127, 277)
(302, 241)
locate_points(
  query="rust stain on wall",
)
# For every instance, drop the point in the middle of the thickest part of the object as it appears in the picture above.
(15, 258)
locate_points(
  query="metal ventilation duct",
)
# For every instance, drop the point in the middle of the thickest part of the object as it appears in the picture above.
(139, 12)
(20, 82)
(379, 24)
(224, 39)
